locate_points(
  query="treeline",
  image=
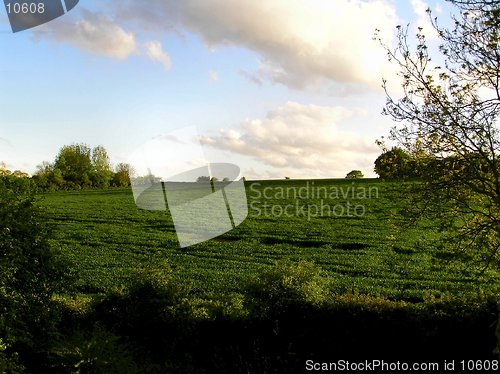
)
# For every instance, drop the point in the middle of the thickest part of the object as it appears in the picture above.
(78, 166)
(398, 164)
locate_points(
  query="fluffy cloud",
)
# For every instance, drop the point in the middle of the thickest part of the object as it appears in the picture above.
(319, 45)
(94, 33)
(302, 44)
(299, 140)
(155, 52)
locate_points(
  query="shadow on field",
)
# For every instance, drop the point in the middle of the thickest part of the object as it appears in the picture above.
(313, 243)
(351, 246)
(298, 243)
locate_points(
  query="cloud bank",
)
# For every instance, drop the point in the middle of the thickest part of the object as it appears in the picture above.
(301, 44)
(300, 140)
(306, 45)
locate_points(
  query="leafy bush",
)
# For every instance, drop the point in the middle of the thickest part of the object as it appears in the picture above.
(287, 285)
(354, 174)
(95, 351)
(152, 298)
(9, 361)
(30, 269)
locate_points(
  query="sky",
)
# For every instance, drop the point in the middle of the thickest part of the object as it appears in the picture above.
(277, 87)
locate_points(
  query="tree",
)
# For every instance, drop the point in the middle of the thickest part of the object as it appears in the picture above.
(102, 171)
(76, 166)
(395, 164)
(44, 175)
(354, 174)
(450, 112)
(3, 169)
(74, 162)
(121, 178)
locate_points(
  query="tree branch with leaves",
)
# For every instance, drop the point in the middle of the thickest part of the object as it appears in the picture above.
(447, 114)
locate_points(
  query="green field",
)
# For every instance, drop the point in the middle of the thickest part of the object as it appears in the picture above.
(107, 239)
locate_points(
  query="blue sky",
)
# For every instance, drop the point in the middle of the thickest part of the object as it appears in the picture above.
(279, 87)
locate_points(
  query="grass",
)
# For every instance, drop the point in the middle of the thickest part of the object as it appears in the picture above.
(108, 239)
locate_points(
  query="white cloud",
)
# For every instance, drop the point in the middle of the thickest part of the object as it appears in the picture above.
(94, 33)
(301, 44)
(300, 140)
(318, 45)
(155, 52)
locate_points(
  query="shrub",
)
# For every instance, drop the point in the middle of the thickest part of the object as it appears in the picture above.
(94, 351)
(30, 270)
(287, 285)
(354, 174)
(152, 298)
(9, 361)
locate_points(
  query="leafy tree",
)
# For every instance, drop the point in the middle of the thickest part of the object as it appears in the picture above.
(74, 162)
(203, 178)
(3, 169)
(77, 166)
(44, 175)
(354, 174)
(58, 179)
(121, 177)
(20, 174)
(451, 112)
(395, 164)
(102, 171)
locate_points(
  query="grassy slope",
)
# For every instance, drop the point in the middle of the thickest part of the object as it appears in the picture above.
(107, 237)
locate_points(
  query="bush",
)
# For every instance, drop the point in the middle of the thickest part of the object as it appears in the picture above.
(31, 272)
(9, 361)
(354, 174)
(94, 351)
(152, 298)
(287, 285)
